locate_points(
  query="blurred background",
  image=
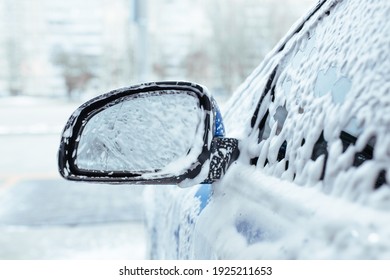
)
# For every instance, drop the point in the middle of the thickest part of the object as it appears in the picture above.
(56, 54)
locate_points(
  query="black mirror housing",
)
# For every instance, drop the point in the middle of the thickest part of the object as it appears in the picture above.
(197, 169)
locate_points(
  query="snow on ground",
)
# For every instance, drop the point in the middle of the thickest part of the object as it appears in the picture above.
(96, 241)
(56, 219)
(43, 216)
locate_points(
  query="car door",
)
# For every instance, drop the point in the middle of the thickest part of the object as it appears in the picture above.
(312, 177)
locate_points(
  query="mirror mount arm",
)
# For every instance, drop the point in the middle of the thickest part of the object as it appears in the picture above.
(224, 151)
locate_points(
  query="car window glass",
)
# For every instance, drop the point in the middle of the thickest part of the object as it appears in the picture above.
(330, 83)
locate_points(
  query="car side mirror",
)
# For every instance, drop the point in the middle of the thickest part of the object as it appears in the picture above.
(155, 133)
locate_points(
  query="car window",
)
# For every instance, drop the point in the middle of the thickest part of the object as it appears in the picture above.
(323, 114)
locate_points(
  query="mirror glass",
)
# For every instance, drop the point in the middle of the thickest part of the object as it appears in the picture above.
(141, 133)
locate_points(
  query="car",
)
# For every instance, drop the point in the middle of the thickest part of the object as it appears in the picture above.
(299, 168)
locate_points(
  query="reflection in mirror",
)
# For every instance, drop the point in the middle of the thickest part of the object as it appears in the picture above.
(140, 134)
